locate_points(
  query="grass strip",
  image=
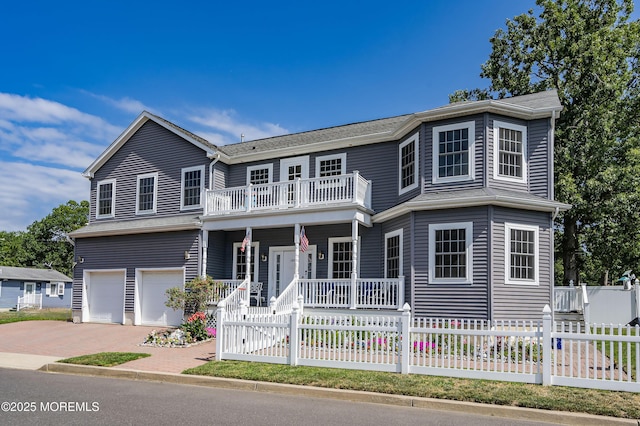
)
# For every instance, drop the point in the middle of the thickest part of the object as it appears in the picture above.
(36, 315)
(105, 359)
(590, 401)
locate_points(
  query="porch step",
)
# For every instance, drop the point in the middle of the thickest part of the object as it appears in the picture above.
(569, 319)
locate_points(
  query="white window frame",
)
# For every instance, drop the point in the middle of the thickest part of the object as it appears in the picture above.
(468, 227)
(113, 198)
(508, 227)
(343, 162)
(155, 193)
(497, 125)
(269, 167)
(470, 126)
(333, 240)
(415, 139)
(182, 183)
(397, 233)
(255, 254)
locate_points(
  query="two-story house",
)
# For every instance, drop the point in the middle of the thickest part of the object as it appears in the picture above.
(450, 210)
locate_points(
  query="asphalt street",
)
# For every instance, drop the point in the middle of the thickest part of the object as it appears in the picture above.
(39, 398)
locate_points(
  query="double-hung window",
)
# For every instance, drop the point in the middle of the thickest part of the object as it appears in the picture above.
(106, 198)
(257, 175)
(331, 165)
(146, 194)
(393, 254)
(522, 255)
(510, 151)
(192, 184)
(453, 152)
(450, 253)
(408, 164)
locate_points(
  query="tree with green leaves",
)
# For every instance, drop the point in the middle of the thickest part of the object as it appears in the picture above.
(589, 51)
(45, 243)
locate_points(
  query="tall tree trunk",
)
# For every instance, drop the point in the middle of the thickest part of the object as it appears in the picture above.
(570, 250)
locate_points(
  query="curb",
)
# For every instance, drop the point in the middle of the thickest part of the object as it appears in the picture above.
(516, 413)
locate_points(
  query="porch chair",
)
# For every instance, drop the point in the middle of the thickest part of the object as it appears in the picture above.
(255, 292)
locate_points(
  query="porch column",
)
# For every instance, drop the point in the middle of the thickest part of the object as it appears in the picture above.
(205, 248)
(247, 253)
(354, 263)
(296, 263)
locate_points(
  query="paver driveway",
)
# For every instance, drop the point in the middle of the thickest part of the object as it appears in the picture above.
(65, 339)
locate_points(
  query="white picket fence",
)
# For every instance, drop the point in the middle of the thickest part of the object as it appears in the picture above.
(518, 351)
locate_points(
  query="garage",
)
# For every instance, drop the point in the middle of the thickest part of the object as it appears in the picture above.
(152, 287)
(105, 296)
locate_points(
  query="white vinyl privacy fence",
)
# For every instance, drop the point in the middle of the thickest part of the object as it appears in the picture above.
(518, 351)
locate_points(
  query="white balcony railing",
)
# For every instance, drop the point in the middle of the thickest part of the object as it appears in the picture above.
(350, 188)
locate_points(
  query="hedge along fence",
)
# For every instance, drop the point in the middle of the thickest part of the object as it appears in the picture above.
(518, 351)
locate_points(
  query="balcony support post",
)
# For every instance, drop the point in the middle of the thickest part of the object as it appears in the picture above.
(354, 263)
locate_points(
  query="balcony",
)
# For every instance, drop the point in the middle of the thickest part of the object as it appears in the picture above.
(329, 191)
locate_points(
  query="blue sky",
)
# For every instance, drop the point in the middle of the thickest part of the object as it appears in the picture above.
(74, 75)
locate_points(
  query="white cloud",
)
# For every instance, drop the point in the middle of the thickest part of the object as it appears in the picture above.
(227, 122)
(30, 192)
(125, 104)
(23, 109)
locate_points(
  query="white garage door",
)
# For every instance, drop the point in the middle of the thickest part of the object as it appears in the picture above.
(153, 286)
(105, 295)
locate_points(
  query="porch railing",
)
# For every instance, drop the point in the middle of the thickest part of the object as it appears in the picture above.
(370, 293)
(286, 300)
(223, 291)
(32, 300)
(348, 188)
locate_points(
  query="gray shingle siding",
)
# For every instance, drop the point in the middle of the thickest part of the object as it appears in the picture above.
(451, 300)
(160, 250)
(539, 166)
(507, 298)
(151, 149)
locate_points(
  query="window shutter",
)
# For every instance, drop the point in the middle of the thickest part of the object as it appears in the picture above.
(48, 289)
(60, 289)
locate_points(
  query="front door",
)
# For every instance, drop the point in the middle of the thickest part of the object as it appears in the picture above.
(290, 170)
(282, 267)
(29, 292)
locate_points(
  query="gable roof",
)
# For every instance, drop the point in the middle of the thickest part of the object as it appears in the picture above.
(32, 274)
(527, 107)
(145, 116)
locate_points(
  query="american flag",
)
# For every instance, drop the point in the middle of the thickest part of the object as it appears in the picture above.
(244, 242)
(304, 241)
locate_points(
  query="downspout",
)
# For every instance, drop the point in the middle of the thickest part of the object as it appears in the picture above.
(216, 157)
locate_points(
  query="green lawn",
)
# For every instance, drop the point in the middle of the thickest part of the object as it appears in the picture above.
(36, 315)
(105, 359)
(628, 350)
(605, 403)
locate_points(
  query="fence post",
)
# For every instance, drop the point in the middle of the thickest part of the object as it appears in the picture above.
(405, 339)
(272, 305)
(294, 346)
(547, 349)
(301, 304)
(219, 327)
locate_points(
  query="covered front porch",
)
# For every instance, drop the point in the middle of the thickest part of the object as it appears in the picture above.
(318, 267)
